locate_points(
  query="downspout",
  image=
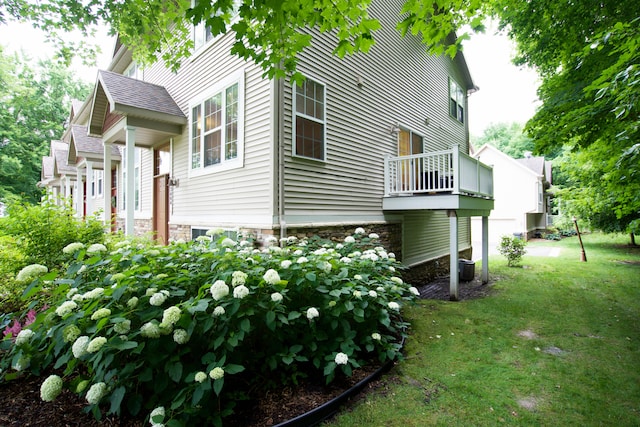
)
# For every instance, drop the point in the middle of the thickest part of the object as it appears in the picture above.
(280, 142)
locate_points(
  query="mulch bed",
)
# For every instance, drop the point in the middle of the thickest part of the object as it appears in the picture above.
(21, 406)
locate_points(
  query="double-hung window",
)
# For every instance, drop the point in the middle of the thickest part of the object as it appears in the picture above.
(309, 120)
(456, 101)
(96, 184)
(136, 178)
(216, 125)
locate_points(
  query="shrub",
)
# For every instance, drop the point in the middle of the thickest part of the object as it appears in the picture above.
(192, 327)
(41, 231)
(11, 260)
(513, 249)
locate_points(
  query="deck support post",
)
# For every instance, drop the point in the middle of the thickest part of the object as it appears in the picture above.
(453, 250)
(485, 250)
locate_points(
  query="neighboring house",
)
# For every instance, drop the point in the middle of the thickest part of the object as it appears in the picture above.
(376, 140)
(523, 203)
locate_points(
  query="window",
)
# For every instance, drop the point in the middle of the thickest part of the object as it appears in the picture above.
(96, 184)
(133, 71)
(309, 122)
(202, 33)
(216, 126)
(136, 181)
(197, 232)
(456, 101)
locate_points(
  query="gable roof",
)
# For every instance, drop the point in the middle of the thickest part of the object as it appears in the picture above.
(60, 153)
(47, 167)
(88, 147)
(506, 158)
(537, 164)
(115, 93)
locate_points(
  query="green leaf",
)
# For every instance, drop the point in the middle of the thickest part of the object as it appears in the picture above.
(233, 369)
(287, 360)
(201, 306)
(116, 400)
(310, 276)
(270, 318)
(175, 371)
(124, 345)
(197, 396)
(294, 315)
(217, 386)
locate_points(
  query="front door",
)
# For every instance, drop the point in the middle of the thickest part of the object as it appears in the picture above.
(162, 168)
(410, 143)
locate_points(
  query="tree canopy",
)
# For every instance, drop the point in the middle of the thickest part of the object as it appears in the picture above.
(34, 105)
(506, 137)
(586, 52)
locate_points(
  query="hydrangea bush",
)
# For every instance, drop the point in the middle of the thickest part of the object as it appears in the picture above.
(190, 327)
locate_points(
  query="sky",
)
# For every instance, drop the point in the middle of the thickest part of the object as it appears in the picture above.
(507, 93)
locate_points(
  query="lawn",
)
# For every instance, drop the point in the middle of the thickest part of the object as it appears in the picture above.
(556, 343)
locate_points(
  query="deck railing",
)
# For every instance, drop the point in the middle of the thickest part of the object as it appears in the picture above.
(436, 172)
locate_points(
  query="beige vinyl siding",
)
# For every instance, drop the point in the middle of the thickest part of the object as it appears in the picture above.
(239, 195)
(425, 236)
(401, 85)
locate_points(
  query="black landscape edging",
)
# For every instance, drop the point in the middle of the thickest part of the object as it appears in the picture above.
(324, 411)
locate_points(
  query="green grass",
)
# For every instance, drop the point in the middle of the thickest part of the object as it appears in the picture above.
(468, 363)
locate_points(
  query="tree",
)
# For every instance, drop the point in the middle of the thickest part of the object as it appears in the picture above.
(508, 138)
(34, 105)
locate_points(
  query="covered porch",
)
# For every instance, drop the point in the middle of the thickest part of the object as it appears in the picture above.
(446, 180)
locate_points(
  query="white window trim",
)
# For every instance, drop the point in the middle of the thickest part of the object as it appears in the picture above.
(197, 50)
(98, 178)
(464, 101)
(225, 165)
(294, 114)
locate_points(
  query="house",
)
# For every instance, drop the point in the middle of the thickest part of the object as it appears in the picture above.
(523, 203)
(377, 141)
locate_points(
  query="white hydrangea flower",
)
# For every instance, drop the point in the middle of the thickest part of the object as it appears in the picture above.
(394, 305)
(216, 373)
(79, 347)
(118, 276)
(371, 256)
(71, 248)
(357, 294)
(66, 308)
(302, 260)
(156, 415)
(397, 280)
(150, 291)
(238, 278)
(31, 272)
(298, 252)
(227, 243)
(180, 336)
(341, 359)
(96, 248)
(285, 264)
(72, 292)
(200, 377)
(292, 239)
(374, 236)
(150, 330)
(349, 239)
(161, 276)
(171, 315)
(339, 246)
(218, 311)
(96, 393)
(276, 297)
(157, 299)
(219, 290)
(70, 333)
(392, 269)
(271, 277)
(24, 336)
(96, 344)
(359, 230)
(51, 388)
(93, 293)
(373, 294)
(101, 313)
(22, 363)
(325, 266)
(414, 291)
(392, 255)
(380, 289)
(214, 232)
(376, 336)
(123, 327)
(346, 260)
(133, 301)
(312, 313)
(240, 292)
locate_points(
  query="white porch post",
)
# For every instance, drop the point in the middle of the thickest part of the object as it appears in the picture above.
(453, 249)
(80, 193)
(485, 249)
(90, 188)
(67, 186)
(130, 184)
(106, 182)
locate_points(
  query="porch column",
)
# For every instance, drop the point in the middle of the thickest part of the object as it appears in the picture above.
(91, 191)
(453, 249)
(106, 182)
(67, 186)
(485, 249)
(130, 184)
(80, 193)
